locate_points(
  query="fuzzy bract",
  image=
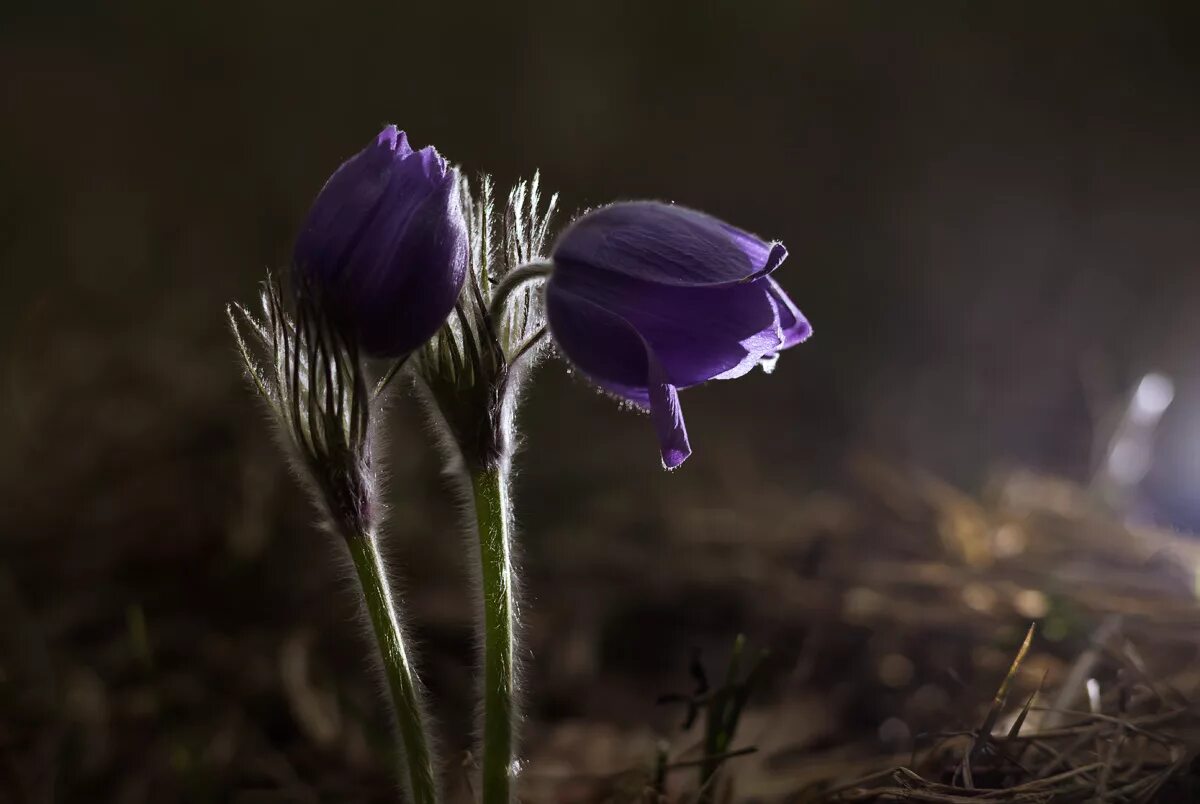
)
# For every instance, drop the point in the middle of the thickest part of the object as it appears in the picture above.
(474, 366)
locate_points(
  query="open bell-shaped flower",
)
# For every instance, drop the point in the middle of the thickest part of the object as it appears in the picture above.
(384, 246)
(646, 298)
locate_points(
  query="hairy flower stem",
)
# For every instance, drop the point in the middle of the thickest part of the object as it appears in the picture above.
(415, 763)
(490, 487)
(514, 280)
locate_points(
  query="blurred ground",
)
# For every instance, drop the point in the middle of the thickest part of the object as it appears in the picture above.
(892, 603)
(990, 211)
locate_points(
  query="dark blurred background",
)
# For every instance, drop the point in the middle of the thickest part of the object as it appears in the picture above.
(991, 210)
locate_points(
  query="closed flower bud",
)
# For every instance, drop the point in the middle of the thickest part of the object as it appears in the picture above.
(646, 298)
(384, 246)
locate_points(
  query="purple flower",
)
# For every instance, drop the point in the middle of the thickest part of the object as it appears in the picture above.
(647, 298)
(385, 245)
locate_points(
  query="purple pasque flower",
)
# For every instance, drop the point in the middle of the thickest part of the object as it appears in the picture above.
(385, 245)
(647, 298)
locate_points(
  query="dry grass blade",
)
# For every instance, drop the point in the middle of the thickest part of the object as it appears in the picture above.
(998, 702)
(1015, 731)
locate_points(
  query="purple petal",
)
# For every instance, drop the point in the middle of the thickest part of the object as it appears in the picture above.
(345, 203)
(795, 327)
(610, 352)
(600, 344)
(395, 140)
(376, 254)
(668, 417)
(667, 244)
(436, 235)
(697, 333)
(397, 310)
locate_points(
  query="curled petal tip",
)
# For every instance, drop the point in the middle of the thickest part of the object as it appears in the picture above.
(668, 418)
(672, 459)
(394, 140)
(388, 136)
(778, 254)
(794, 327)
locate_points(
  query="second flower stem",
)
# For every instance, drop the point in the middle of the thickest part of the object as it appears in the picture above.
(416, 762)
(490, 487)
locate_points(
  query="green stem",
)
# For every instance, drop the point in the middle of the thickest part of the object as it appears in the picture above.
(416, 766)
(491, 511)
